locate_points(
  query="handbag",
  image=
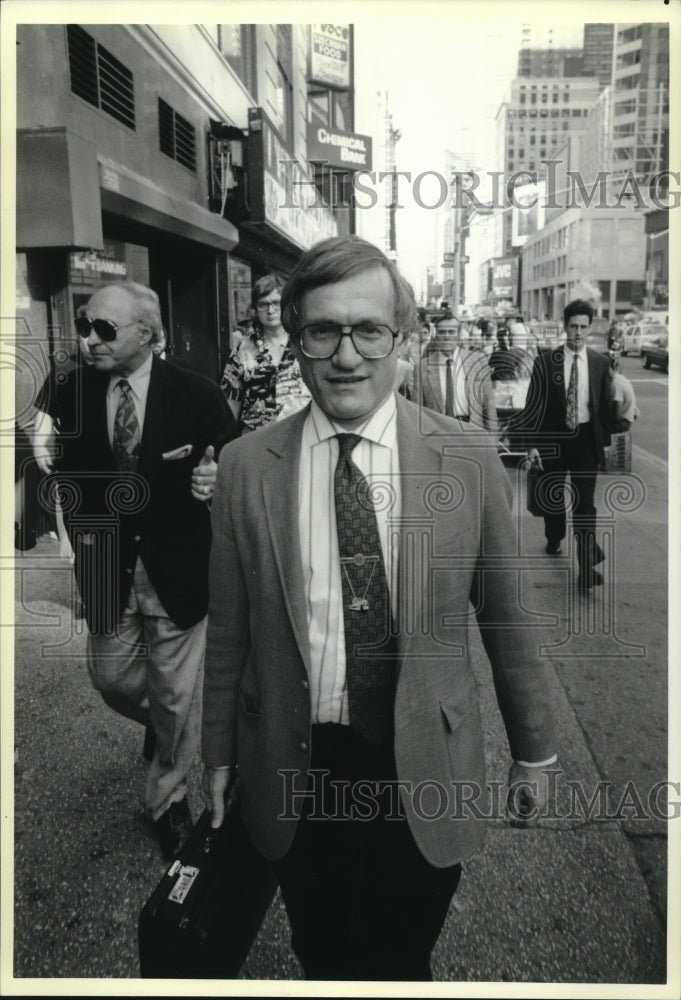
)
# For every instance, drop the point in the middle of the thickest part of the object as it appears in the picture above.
(534, 476)
(205, 913)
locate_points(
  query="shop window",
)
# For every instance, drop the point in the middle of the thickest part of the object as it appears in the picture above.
(99, 78)
(318, 107)
(177, 137)
(237, 44)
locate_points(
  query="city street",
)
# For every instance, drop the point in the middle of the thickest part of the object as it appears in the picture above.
(581, 898)
(652, 391)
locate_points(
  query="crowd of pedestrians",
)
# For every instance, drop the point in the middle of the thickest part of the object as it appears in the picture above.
(249, 589)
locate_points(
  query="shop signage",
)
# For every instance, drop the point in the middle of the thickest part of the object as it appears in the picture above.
(109, 262)
(337, 148)
(330, 54)
(504, 277)
(282, 190)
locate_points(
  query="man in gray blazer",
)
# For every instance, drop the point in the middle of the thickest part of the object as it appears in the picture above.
(353, 544)
(456, 381)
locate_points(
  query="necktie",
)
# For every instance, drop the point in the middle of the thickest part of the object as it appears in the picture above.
(571, 410)
(126, 434)
(369, 672)
(449, 388)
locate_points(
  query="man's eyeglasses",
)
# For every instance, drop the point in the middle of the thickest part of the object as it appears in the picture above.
(105, 329)
(371, 340)
(274, 306)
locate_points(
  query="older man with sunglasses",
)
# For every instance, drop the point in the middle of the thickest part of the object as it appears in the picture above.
(138, 437)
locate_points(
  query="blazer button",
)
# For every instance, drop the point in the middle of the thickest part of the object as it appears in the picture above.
(128, 570)
(303, 746)
(138, 538)
(306, 685)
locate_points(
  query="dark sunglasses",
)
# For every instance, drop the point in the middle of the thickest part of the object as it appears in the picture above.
(105, 329)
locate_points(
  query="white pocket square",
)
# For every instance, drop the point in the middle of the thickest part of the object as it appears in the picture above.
(177, 453)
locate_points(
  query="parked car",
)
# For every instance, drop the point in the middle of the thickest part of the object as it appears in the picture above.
(656, 352)
(633, 338)
(598, 334)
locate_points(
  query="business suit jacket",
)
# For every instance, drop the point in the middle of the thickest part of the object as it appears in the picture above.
(483, 411)
(456, 519)
(542, 423)
(113, 517)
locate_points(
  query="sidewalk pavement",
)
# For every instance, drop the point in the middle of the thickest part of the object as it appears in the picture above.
(565, 902)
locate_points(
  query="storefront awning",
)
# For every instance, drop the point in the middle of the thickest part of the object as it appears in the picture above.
(128, 194)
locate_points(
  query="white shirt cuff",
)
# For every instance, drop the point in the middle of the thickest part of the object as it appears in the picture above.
(541, 763)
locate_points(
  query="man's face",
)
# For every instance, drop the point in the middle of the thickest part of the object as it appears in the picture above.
(268, 309)
(348, 387)
(132, 343)
(446, 335)
(577, 331)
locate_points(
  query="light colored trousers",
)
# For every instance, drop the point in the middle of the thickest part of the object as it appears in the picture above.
(152, 671)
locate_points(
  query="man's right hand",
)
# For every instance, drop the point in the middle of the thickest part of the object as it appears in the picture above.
(214, 784)
(535, 458)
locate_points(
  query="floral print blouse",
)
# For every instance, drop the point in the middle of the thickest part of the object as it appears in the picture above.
(267, 391)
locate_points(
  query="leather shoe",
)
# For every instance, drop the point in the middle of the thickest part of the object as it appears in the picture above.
(553, 547)
(592, 578)
(173, 827)
(149, 747)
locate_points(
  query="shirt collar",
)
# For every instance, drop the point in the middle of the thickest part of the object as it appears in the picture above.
(581, 353)
(380, 427)
(139, 379)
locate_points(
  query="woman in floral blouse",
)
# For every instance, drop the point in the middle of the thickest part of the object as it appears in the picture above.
(262, 380)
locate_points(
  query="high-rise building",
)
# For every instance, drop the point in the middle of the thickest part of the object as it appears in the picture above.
(598, 51)
(640, 132)
(550, 62)
(535, 119)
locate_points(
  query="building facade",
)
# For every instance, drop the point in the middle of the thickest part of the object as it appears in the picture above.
(174, 155)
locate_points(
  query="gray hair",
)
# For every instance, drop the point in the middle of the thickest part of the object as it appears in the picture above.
(147, 307)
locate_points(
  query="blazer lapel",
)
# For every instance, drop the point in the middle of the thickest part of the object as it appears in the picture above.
(433, 376)
(153, 419)
(420, 458)
(594, 386)
(280, 495)
(557, 380)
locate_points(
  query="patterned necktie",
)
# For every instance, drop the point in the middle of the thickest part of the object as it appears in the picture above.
(449, 388)
(571, 410)
(126, 435)
(370, 672)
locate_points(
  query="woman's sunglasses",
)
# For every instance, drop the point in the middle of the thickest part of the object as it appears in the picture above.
(105, 329)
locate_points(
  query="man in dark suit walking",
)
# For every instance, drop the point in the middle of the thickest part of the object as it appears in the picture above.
(566, 423)
(137, 439)
(350, 541)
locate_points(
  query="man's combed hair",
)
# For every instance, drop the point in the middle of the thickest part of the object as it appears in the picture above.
(334, 260)
(578, 307)
(147, 307)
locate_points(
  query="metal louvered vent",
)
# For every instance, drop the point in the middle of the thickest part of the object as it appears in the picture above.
(99, 78)
(177, 137)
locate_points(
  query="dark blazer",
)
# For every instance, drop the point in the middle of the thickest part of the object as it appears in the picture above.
(542, 423)
(459, 546)
(113, 517)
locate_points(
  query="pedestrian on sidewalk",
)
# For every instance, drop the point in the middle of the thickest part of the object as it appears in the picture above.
(565, 426)
(138, 438)
(331, 683)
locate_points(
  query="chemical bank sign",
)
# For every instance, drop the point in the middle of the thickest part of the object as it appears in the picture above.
(346, 150)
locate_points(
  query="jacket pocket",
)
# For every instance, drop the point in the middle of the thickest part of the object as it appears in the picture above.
(250, 706)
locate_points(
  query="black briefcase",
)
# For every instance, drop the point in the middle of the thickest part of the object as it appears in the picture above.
(205, 913)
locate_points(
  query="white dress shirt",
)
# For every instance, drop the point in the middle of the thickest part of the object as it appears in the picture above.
(376, 455)
(582, 360)
(139, 386)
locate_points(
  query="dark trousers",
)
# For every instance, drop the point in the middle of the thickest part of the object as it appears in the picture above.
(578, 457)
(362, 901)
